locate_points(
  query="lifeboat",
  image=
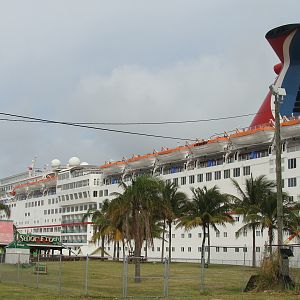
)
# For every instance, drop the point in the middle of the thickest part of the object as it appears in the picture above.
(113, 167)
(252, 136)
(35, 185)
(170, 155)
(141, 161)
(214, 145)
(290, 129)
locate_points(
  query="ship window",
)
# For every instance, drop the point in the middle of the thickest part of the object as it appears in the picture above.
(105, 192)
(183, 180)
(224, 249)
(45, 212)
(246, 171)
(191, 179)
(200, 177)
(63, 197)
(80, 195)
(292, 163)
(71, 196)
(217, 175)
(42, 202)
(49, 201)
(236, 172)
(75, 196)
(292, 182)
(67, 197)
(208, 176)
(95, 193)
(175, 181)
(84, 194)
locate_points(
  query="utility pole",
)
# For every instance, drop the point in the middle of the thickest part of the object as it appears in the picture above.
(278, 95)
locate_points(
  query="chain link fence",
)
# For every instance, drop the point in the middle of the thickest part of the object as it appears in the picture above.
(96, 277)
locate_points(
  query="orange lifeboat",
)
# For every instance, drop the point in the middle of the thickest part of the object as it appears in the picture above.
(113, 167)
(171, 155)
(290, 129)
(252, 136)
(211, 146)
(141, 161)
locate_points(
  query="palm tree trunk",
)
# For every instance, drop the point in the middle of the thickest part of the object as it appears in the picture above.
(270, 235)
(114, 255)
(208, 241)
(123, 247)
(170, 240)
(102, 246)
(137, 266)
(253, 247)
(202, 246)
(163, 241)
(118, 250)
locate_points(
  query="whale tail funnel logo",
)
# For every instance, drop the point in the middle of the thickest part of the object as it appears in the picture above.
(285, 41)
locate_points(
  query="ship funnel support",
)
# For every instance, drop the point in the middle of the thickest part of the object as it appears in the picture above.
(285, 40)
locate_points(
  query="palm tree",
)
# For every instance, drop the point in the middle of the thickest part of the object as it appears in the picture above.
(248, 203)
(173, 204)
(100, 223)
(268, 215)
(137, 207)
(208, 206)
(5, 208)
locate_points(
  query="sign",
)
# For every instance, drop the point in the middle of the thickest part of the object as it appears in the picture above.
(6, 232)
(38, 239)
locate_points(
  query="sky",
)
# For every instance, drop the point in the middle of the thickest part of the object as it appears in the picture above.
(129, 61)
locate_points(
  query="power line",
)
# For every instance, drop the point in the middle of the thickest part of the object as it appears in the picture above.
(38, 120)
(138, 123)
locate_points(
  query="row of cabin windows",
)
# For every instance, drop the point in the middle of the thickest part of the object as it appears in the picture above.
(101, 193)
(79, 208)
(35, 203)
(199, 249)
(52, 211)
(74, 196)
(217, 175)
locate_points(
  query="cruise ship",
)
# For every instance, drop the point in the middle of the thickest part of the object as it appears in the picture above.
(53, 201)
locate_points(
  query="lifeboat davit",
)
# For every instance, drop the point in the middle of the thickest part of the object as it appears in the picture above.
(170, 155)
(141, 161)
(113, 167)
(211, 146)
(252, 136)
(290, 129)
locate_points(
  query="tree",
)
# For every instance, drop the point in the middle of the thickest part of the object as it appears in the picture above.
(100, 223)
(267, 217)
(248, 203)
(173, 205)
(137, 206)
(5, 208)
(208, 206)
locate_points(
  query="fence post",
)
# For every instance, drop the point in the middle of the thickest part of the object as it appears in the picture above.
(125, 276)
(59, 274)
(86, 274)
(37, 269)
(166, 277)
(19, 267)
(202, 275)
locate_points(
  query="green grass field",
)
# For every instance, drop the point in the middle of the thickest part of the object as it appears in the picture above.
(105, 281)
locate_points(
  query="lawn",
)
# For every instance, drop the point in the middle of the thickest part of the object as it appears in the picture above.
(67, 281)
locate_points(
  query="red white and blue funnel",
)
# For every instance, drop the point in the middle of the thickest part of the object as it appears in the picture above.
(285, 40)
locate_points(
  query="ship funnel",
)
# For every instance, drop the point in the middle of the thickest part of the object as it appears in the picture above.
(285, 41)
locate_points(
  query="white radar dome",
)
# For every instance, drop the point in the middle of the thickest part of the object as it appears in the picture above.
(55, 163)
(74, 161)
(84, 163)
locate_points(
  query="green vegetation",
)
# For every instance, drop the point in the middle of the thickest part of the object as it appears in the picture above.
(105, 281)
